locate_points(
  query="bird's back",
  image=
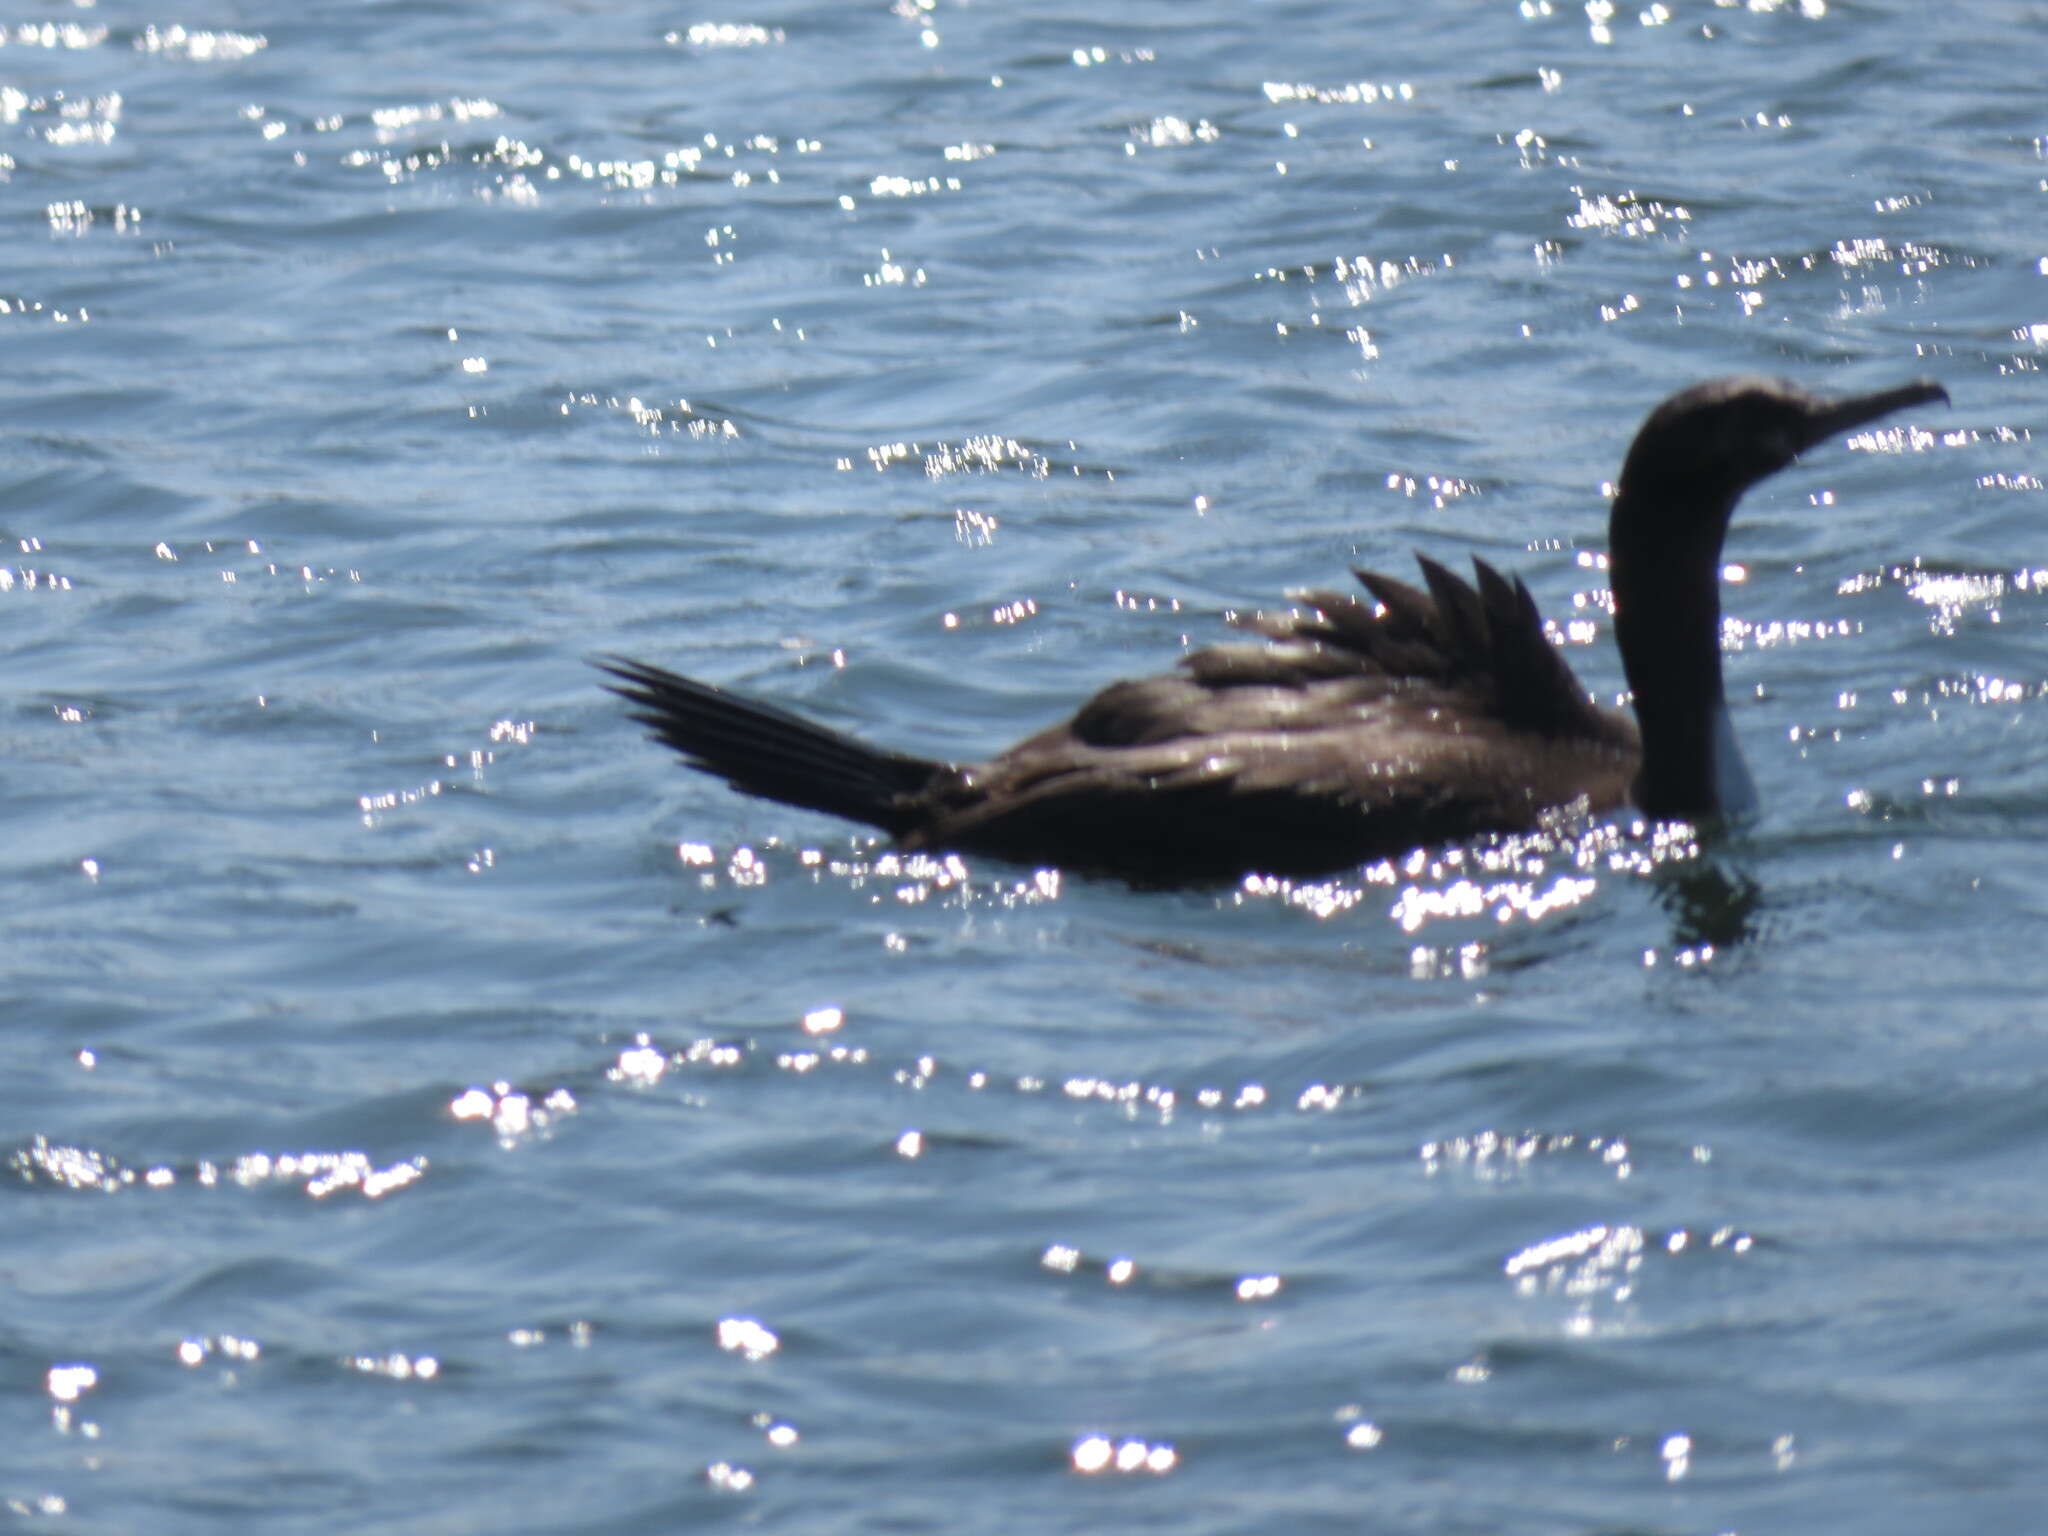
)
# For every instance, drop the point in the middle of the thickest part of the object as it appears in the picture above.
(1360, 728)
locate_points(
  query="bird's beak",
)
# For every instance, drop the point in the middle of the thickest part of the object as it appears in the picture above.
(1831, 418)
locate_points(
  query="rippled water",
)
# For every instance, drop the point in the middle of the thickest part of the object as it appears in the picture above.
(427, 1108)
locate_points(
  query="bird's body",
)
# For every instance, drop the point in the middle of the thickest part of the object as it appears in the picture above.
(1363, 725)
(1246, 757)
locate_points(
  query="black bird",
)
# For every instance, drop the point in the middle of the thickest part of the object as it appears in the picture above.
(1365, 726)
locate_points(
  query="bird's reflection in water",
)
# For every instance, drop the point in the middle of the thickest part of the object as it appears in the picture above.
(1711, 902)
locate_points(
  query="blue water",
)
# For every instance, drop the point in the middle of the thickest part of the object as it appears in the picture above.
(426, 1108)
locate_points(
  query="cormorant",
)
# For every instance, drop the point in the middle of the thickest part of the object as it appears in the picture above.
(1363, 726)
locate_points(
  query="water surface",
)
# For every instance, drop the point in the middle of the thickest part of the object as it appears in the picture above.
(426, 1108)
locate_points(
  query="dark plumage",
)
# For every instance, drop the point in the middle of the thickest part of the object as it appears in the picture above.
(1362, 727)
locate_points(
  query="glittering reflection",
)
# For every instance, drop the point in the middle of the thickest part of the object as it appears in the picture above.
(1951, 594)
(1522, 878)
(226, 1346)
(918, 14)
(26, 579)
(642, 1064)
(472, 765)
(987, 454)
(1123, 1272)
(318, 1174)
(1508, 881)
(1096, 56)
(67, 1385)
(1497, 1157)
(1908, 258)
(1348, 282)
(61, 120)
(908, 879)
(1441, 490)
(892, 273)
(1448, 962)
(391, 122)
(912, 186)
(76, 218)
(200, 45)
(1569, 1259)
(578, 1335)
(404, 144)
(52, 34)
(395, 1366)
(1360, 1433)
(1503, 900)
(1714, 280)
(976, 530)
(1763, 635)
(747, 1337)
(512, 1113)
(1352, 93)
(240, 562)
(1171, 133)
(1895, 440)
(1533, 150)
(1093, 1454)
(1601, 1266)
(664, 420)
(1976, 688)
(1625, 214)
(724, 34)
(32, 311)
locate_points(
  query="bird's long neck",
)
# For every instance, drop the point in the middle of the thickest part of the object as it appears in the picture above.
(1665, 568)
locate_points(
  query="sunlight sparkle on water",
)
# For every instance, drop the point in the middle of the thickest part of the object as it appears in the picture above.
(200, 45)
(1172, 132)
(1360, 1433)
(319, 1173)
(725, 34)
(727, 1478)
(510, 1112)
(640, 1063)
(747, 1338)
(1501, 880)
(1604, 1265)
(196, 1351)
(1353, 94)
(1098, 1453)
(1495, 1156)
(68, 1383)
(396, 1366)
(51, 34)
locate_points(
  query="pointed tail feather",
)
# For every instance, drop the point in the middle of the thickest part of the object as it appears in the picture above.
(762, 750)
